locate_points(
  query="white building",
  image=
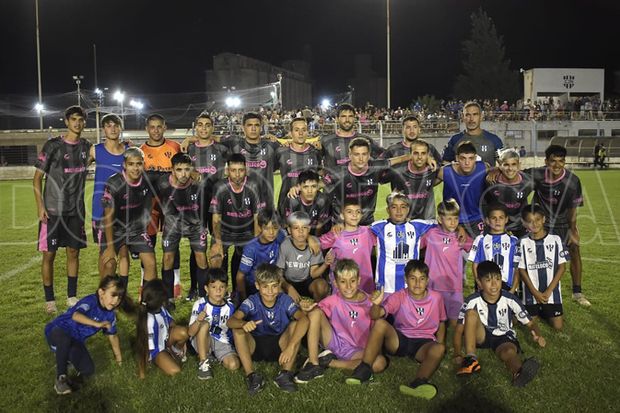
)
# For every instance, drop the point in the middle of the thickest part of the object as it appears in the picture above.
(563, 84)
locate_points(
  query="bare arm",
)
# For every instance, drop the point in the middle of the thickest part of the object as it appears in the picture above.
(115, 343)
(37, 184)
(441, 333)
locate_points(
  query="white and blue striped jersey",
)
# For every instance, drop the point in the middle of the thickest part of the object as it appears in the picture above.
(396, 245)
(541, 259)
(217, 316)
(158, 327)
(496, 317)
(502, 249)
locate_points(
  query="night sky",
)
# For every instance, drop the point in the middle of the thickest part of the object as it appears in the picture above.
(164, 46)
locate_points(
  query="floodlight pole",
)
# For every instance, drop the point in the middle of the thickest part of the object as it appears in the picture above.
(280, 91)
(36, 5)
(388, 56)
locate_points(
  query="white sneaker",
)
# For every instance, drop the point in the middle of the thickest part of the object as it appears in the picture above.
(204, 370)
(50, 307)
(71, 301)
(581, 300)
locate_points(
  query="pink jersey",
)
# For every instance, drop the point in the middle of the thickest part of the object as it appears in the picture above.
(416, 318)
(356, 245)
(350, 320)
(444, 257)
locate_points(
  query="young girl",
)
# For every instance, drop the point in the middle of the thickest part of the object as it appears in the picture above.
(66, 333)
(159, 339)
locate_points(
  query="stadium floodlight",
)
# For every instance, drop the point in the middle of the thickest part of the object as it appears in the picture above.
(39, 107)
(98, 92)
(136, 104)
(326, 104)
(232, 102)
(119, 96)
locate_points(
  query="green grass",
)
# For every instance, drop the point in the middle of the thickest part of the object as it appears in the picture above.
(579, 366)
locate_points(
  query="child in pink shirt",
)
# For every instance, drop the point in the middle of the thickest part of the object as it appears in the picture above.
(341, 323)
(419, 330)
(354, 242)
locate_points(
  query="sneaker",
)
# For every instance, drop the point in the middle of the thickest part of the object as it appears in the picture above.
(204, 370)
(419, 388)
(255, 383)
(325, 357)
(284, 381)
(179, 353)
(62, 385)
(191, 296)
(581, 300)
(526, 373)
(468, 366)
(50, 307)
(308, 372)
(71, 301)
(362, 374)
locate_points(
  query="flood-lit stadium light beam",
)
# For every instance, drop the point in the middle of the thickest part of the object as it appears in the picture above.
(119, 96)
(326, 104)
(136, 104)
(232, 102)
(39, 107)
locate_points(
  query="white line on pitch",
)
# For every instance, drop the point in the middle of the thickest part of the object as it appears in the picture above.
(599, 260)
(12, 273)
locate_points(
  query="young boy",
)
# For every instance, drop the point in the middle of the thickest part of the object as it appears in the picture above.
(63, 162)
(181, 202)
(418, 332)
(397, 242)
(542, 266)
(444, 257)
(207, 325)
(487, 316)
(263, 249)
(311, 201)
(127, 202)
(497, 246)
(303, 268)
(268, 326)
(354, 242)
(341, 324)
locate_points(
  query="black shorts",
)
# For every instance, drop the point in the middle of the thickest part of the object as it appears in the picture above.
(409, 346)
(136, 243)
(563, 233)
(267, 348)
(473, 228)
(61, 231)
(303, 287)
(493, 342)
(545, 311)
(173, 233)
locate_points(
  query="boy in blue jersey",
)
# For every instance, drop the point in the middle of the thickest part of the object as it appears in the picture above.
(465, 182)
(542, 266)
(487, 316)
(261, 250)
(398, 241)
(207, 325)
(268, 326)
(497, 246)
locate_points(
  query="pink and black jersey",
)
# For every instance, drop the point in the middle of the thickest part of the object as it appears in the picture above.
(399, 149)
(180, 204)
(513, 196)
(65, 166)
(444, 257)
(556, 197)
(356, 245)
(291, 162)
(132, 204)
(237, 209)
(319, 211)
(416, 318)
(350, 320)
(335, 153)
(418, 186)
(209, 160)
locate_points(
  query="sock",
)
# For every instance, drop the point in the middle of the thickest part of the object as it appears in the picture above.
(72, 286)
(167, 277)
(201, 279)
(576, 289)
(49, 292)
(193, 268)
(124, 281)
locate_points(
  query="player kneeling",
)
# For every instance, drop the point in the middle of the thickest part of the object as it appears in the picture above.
(419, 330)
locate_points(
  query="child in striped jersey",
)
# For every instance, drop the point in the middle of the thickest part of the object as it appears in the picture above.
(542, 266)
(418, 332)
(209, 334)
(341, 324)
(159, 339)
(487, 316)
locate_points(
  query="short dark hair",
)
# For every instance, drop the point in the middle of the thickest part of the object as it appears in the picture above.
(111, 118)
(555, 150)
(204, 115)
(495, 206)
(416, 265)
(532, 209)
(359, 142)
(411, 118)
(354, 201)
(420, 142)
(216, 274)
(297, 119)
(267, 215)
(155, 116)
(308, 175)
(343, 108)
(236, 158)
(181, 157)
(251, 115)
(75, 110)
(465, 147)
(487, 269)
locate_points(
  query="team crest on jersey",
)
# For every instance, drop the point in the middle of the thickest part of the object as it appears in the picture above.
(83, 155)
(354, 241)
(505, 245)
(400, 234)
(557, 192)
(310, 161)
(410, 234)
(263, 151)
(484, 148)
(246, 201)
(496, 245)
(446, 240)
(519, 195)
(550, 247)
(429, 183)
(213, 157)
(168, 154)
(369, 181)
(420, 311)
(503, 312)
(270, 315)
(193, 197)
(314, 213)
(353, 314)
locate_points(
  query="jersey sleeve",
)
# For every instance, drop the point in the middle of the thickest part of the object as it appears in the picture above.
(197, 308)
(448, 153)
(519, 310)
(476, 255)
(326, 305)
(563, 254)
(46, 156)
(327, 240)
(281, 262)
(290, 305)
(112, 330)
(215, 206)
(577, 199)
(248, 308)
(107, 199)
(392, 303)
(247, 258)
(317, 259)
(422, 226)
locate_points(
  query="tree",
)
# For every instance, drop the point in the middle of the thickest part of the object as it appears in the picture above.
(487, 70)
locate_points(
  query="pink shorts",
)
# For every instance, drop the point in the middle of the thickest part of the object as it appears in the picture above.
(342, 349)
